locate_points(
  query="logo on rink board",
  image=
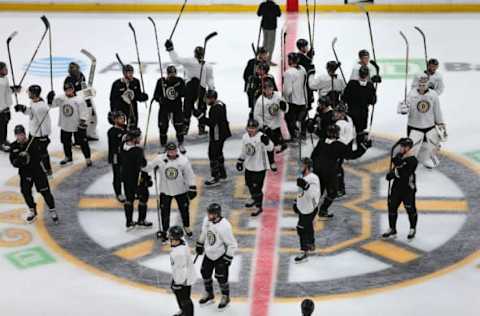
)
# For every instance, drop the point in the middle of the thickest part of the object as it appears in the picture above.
(349, 258)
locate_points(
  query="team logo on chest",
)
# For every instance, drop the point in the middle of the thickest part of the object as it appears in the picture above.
(273, 109)
(249, 149)
(67, 110)
(171, 93)
(171, 173)
(211, 238)
(423, 106)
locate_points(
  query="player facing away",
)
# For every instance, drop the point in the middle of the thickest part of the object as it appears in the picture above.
(125, 94)
(324, 117)
(305, 59)
(364, 60)
(425, 125)
(72, 119)
(169, 93)
(195, 87)
(404, 189)
(327, 85)
(5, 103)
(176, 181)
(256, 157)
(26, 156)
(307, 307)
(251, 76)
(219, 132)
(305, 206)
(116, 135)
(183, 271)
(219, 244)
(39, 125)
(135, 181)
(435, 79)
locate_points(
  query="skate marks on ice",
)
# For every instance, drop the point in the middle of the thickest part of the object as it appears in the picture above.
(349, 258)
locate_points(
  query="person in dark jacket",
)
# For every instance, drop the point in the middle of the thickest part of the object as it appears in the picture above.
(270, 12)
(403, 190)
(26, 156)
(250, 75)
(116, 135)
(125, 94)
(305, 59)
(324, 117)
(219, 130)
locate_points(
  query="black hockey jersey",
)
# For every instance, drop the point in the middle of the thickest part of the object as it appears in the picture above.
(26, 166)
(115, 139)
(174, 92)
(404, 171)
(217, 122)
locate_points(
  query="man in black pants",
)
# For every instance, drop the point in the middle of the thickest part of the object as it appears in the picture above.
(269, 11)
(322, 120)
(5, 103)
(305, 59)
(219, 128)
(132, 160)
(26, 157)
(250, 73)
(403, 189)
(169, 93)
(116, 134)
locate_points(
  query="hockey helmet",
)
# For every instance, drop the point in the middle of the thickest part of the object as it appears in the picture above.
(307, 162)
(341, 107)
(127, 68)
(363, 53)
(252, 123)
(199, 52)
(263, 66)
(175, 232)
(117, 114)
(171, 69)
(332, 66)
(171, 146)
(433, 61)
(363, 72)
(307, 307)
(333, 131)
(35, 90)
(68, 85)
(268, 83)
(262, 50)
(19, 129)
(301, 43)
(293, 58)
(322, 100)
(214, 208)
(406, 142)
(211, 94)
(133, 134)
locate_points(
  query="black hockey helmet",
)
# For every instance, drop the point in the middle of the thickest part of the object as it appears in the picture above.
(333, 131)
(73, 68)
(252, 123)
(35, 90)
(332, 66)
(19, 129)
(117, 114)
(363, 72)
(199, 52)
(341, 107)
(307, 307)
(171, 146)
(133, 134)
(433, 61)
(211, 94)
(214, 208)
(68, 85)
(363, 53)
(171, 69)
(127, 68)
(307, 162)
(268, 83)
(301, 43)
(406, 142)
(2, 65)
(264, 66)
(293, 57)
(262, 50)
(322, 100)
(175, 232)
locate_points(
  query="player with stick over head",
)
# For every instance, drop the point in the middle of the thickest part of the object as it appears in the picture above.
(435, 79)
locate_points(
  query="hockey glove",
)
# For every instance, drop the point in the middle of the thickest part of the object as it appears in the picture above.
(199, 249)
(147, 179)
(227, 259)
(310, 124)
(16, 89)
(142, 97)
(273, 167)
(239, 165)
(397, 160)
(283, 106)
(82, 124)
(196, 113)
(192, 192)
(168, 45)
(20, 108)
(301, 183)
(50, 97)
(402, 108)
(311, 53)
(376, 79)
(390, 175)
(264, 139)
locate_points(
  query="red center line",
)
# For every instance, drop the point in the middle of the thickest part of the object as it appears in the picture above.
(265, 268)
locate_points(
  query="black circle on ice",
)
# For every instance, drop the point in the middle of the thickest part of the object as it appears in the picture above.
(273, 109)
(211, 238)
(67, 110)
(423, 106)
(171, 173)
(171, 93)
(249, 149)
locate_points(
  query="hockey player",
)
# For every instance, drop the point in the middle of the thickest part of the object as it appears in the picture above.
(183, 271)
(346, 136)
(267, 113)
(256, 157)
(72, 119)
(358, 95)
(219, 244)
(403, 189)
(5, 103)
(305, 59)
(250, 73)
(77, 79)
(306, 207)
(219, 129)
(364, 60)
(26, 157)
(194, 92)
(116, 135)
(425, 124)
(327, 85)
(132, 160)
(169, 93)
(307, 307)
(295, 92)
(322, 119)
(435, 80)
(257, 84)
(177, 181)
(125, 94)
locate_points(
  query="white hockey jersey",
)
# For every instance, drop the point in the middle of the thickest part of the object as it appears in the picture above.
(308, 199)
(323, 84)
(347, 130)
(254, 152)
(294, 85)
(72, 111)
(424, 110)
(192, 69)
(5, 94)
(356, 68)
(435, 82)
(38, 111)
(218, 239)
(183, 270)
(175, 175)
(267, 111)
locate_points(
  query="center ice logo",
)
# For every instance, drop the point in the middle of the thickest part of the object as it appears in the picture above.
(349, 259)
(41, 67)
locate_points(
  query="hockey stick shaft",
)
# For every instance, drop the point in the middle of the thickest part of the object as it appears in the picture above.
(207, 38)
(140, 70)
(314, 22)
(308, 22)
(196, 258)
(157, 198)
(50, 56)
(406, 64)
(158, 54)
(338, 61)
(258, 38)
(178, 19)
(132, 113)
(9, 39)
(424, 37)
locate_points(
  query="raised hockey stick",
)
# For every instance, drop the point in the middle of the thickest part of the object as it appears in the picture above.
(406, 64)
(362, 7)
(9, 39)
(93, 65)
(50, 54)
(207, 38)
(314, 21)
(424, 44)
(258, 38)
(158, 52)
(47, 27)
(132, 113)
(308, 22)
(140, 70)
(178, 19)
(334, 41)
(283, 53)
(157, 198)
(196, 257)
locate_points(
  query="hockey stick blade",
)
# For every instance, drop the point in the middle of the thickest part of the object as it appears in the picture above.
(119, 60)
(45, 21)
(9, 39)
(334, 41)
(209, 36)
(419, 30)
(88, 54)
